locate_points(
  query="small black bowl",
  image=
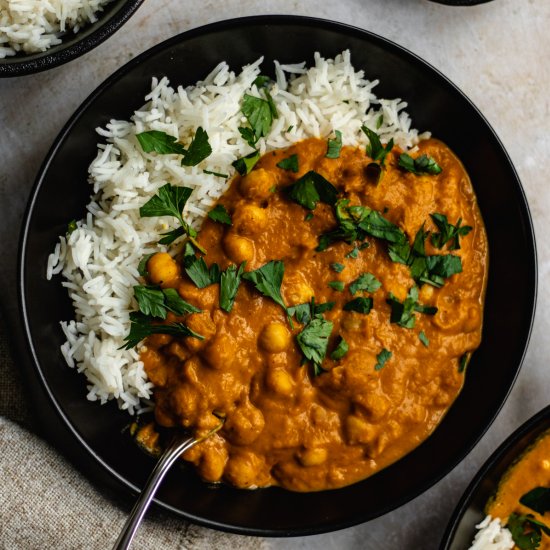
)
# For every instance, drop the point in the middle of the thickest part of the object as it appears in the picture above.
(61, 193)
(461, 2)
(470, 510)
(73, 45)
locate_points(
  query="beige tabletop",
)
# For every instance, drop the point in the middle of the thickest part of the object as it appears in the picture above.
(497, 53)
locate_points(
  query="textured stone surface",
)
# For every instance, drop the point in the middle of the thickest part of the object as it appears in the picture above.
(496, 53)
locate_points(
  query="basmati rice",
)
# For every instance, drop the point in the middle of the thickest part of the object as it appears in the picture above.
(99, 259)
(492, 536)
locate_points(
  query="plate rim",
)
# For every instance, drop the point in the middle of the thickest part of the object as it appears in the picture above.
(227, 24)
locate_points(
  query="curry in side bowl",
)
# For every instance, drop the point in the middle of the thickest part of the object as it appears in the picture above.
(337, 335)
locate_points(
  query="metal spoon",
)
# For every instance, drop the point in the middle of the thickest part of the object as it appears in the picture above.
(179, 444)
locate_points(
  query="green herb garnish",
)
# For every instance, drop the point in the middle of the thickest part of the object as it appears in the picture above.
(313, 341)
(308, 216)
(448, 232)
(220, 214)
(218, 174)
(526, 531)
(382, 358)
(160, 142)
(71, 226)
(353, 253)
(420, 165)
(248, 135)
(198, 271)
(402, 313)
(375, 150)
(341, 349)
(244, 165)
(360, 305)
(423, 338)
(311, 188)
(142, 266)
(334, 146)
(538, 499)
(261, 81)
(156, 302)
(142, 326)
(337, 267)
(198, 150)
(305, 312)
(268, 279)
(463, 361)
(290, 163)
(259, 113)
(367, 282)
(337, 285)
(229, 284)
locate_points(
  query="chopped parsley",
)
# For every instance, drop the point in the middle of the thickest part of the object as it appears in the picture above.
(334, 146)
(538, 499)
(198, 271)
(229, 284)
(367, 282)
(142, 326)
(337, 267)
(164, 144)
(353, 253)
(220, 214)
(260, 113)
(248, 135)
(268, 279)
(360, 305)
(308, 216)
(340, 350)
(71, 226)
(403, 313)
(170, 201)
(157, 302)
(448, 233)
(375, 150)
(313, 341)
(305, 312)
(142, 266)
(337, 285)
(423, 164)
(218, 174)
(311, 188)
(382, 358)
(245, 164)
(261, 81)
(526, 531)
(423, 338)
(290, 163)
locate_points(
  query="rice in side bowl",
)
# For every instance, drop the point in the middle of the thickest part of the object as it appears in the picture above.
(99, 259)
(31, 26)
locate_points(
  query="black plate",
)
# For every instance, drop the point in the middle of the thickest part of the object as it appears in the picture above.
(73, 45)
(461, 529)
(435, 104)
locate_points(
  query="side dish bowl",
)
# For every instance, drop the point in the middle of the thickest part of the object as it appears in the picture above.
(470, 510)
(73, 45)
(435, 104)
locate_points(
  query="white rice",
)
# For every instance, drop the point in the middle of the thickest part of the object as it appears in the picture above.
(35, 25)
(99, 259)
(492, 536)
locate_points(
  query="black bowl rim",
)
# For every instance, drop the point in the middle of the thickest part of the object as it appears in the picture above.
(225, 25)
(42, 61)
(524, 430)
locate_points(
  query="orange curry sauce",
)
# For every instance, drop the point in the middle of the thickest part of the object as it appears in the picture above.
(284, 426)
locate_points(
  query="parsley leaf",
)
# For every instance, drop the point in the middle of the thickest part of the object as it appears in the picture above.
(176, 304)
(248, 135)
(313, 341)
(142, 266)
(312, 188)
(353, 253)
(360, 305)
(526, 531)
(336, 285)
(216, 174)
(220, 214)
(160, 142)
(142, 326)
(244, 165)
(423, 164)
(71, 226)
(402, 313)
(198, 150)
(334, 146)
(448, 232)
(337, 267)
(261, 81)
(268, 279)
(290, 163)
(198, 271)
(305, 312)
(382, 358)
(367, 282)
(308, 216)
(150, 300)
(259, 113)
(375, 150)
(341, 349)
(423, 338)
(463, 361)
(538, 499)
(229, 284)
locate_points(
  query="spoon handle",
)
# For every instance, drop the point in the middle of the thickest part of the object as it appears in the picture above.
(170, 455)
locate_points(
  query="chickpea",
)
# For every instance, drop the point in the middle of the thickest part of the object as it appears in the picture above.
(249, 219)
(244, 425)
(243, 469)
(280, 381)
(239, 249)
(162, 268)
(426, 293)
(212, 464)
(358, 430)
(275, 338)
(258, 184)
(220, 353)
(313, 457)
(297, 292)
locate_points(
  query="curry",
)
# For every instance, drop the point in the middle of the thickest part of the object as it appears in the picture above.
(397, 347)
(523, 495)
